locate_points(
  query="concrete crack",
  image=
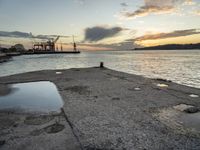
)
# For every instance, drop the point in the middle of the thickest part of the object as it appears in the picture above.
(72, 128)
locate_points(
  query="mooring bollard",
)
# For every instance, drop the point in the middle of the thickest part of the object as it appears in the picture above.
(101, 65)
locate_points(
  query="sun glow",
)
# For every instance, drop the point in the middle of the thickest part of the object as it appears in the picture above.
(176, 40)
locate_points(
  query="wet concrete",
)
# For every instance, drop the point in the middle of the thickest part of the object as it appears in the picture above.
(105, 109)
(40, 96)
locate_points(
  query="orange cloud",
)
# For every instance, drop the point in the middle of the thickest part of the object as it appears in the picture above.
(177, 33)
(197, 12)
(145, 10)
(171, 40)
(156, 7)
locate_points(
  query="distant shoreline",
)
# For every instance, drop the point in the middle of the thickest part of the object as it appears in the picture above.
(4, 58)
(172, 47)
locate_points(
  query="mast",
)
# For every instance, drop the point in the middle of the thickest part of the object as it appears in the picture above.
(74, 44)
(61, 47)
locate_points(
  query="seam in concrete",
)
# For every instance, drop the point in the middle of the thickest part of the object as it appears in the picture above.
(72, 128)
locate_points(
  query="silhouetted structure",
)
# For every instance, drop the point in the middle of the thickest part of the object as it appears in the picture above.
(74, 44)
(46, 46)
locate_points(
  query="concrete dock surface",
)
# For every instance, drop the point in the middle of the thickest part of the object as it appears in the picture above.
(105, 110)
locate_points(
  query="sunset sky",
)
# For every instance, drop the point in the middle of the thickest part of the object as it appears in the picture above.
(100, 24)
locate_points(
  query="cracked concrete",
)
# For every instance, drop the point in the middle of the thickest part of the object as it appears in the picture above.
(102, 110)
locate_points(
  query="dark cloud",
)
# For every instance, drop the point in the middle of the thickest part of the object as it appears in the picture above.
(98, 33)
(155, 7)
(177, 33)
(15, 34)
(124, 4)
(124, 45)
(18, 34)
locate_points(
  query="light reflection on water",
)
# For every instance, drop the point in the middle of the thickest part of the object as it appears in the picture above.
(179, 66)
(32, 96)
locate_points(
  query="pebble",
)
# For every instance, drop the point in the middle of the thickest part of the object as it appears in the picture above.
(137, 89)
(58, 73)
(194, 96)
(162, 85)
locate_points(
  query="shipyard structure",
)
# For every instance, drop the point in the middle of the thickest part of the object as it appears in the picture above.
(49, 47)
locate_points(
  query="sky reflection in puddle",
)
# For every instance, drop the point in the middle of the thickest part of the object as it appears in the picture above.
(32, 97)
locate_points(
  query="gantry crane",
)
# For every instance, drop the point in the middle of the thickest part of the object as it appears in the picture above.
(50, 45)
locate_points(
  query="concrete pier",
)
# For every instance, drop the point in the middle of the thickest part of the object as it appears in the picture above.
(103, 110)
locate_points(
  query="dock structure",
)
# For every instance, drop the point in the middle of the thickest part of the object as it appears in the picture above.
(46, 46)
(51, 47)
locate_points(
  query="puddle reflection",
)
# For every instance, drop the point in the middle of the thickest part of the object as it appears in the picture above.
(32, 97)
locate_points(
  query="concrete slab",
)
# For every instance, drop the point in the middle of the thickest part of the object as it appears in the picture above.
(104, 111)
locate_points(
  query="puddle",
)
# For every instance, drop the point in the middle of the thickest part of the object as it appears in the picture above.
(32, 97)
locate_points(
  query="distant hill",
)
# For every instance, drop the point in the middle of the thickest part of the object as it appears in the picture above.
(171, 47)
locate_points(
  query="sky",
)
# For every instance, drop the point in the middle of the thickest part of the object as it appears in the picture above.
(100, 24)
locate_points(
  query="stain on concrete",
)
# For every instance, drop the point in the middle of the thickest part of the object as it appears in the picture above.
(54, 128)
(6, 122)
(115, 98)
(79, 89)
(37, 132)
(38, 120)
(2, 142)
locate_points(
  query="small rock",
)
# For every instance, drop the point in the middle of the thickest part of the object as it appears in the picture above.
(162, 85)
(194, 96)
(137, 89)
(58, 73)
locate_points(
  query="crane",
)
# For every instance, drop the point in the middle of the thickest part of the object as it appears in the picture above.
(56, 39)
(74, 44)
(54, 43)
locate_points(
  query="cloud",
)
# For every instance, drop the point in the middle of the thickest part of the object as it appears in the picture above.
(197, 12)
(98, 33)
(15, 34)
(124, 45)
(177, 33)
(189, 2)
(155, 7)
(18, 34)
(124, 4)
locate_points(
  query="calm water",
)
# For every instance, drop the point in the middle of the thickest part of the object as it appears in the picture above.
(179, 66)
(33, 96)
